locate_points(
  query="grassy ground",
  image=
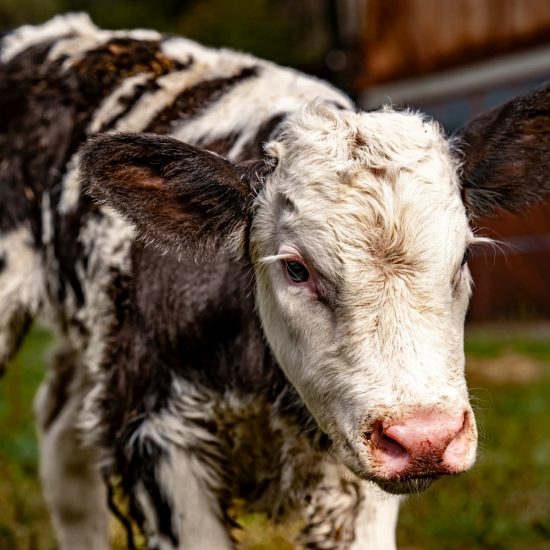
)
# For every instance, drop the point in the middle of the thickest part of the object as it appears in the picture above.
(504, 503)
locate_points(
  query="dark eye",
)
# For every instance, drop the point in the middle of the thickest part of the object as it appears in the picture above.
(466, 257)
(297, 272)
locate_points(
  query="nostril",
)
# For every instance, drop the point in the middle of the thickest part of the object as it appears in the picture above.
(385, 443)
(392, 448)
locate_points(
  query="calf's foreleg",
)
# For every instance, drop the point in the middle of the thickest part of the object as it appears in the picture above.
(71, 481)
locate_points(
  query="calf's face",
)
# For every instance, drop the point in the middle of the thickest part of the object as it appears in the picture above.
(359, 242)
(358, 235)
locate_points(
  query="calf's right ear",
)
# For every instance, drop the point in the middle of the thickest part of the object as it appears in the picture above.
(507, 154)
(177, 196)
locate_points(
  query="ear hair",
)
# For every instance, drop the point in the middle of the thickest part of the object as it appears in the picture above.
(507, 154)
(256, 171)
(177, 195)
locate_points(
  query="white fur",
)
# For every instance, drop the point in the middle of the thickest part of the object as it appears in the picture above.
(107, 243)
(196, 512)
(376, 521)
(21, 283)
(64, 27)
(149, 105)
(276, 91)
(30, 35)
(112, 106)
(70, 187)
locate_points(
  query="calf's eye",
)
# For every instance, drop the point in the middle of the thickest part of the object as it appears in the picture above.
(297, 271)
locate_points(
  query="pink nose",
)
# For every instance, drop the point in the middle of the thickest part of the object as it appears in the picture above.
(428, 443)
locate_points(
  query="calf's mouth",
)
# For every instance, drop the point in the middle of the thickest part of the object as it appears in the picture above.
(407, 485)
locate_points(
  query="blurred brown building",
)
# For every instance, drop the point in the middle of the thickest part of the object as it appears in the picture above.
(453, 59)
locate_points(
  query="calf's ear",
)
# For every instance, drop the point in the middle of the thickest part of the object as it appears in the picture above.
(177, 196)
(507, 154)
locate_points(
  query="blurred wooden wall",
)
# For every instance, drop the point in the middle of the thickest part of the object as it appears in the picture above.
(400, 39)
(403, 38)
(512, 279)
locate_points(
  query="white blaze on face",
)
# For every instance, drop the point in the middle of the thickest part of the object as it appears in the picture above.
(369, 204)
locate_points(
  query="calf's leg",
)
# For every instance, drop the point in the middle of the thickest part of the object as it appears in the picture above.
(72, 485)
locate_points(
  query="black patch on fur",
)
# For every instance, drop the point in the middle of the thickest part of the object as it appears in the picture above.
(507, 154)
(115, 510)
(3, 263)
(21, 140)
(196, 99)
(254, 149)
(202, 330)
(140, 460)
(220, 146)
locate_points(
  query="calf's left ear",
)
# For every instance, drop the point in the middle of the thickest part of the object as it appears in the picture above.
(178, 196)
(507, 154)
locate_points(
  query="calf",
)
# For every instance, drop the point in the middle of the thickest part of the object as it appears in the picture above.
(265, 301)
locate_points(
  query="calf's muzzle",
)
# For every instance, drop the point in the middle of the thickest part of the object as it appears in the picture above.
(424, 445)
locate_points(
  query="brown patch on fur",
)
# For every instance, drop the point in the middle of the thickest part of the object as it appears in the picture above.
(357, 142)
(138, 175)
(379, 173)
(123, 58)
(391, 255)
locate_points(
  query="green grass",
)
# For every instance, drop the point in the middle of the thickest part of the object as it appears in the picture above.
(495, 340)
(24, 523)
(504, 503)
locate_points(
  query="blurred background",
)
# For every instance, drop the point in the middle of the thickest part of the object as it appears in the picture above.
(450, 59)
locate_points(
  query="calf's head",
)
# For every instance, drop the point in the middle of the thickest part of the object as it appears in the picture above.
(357, 230)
